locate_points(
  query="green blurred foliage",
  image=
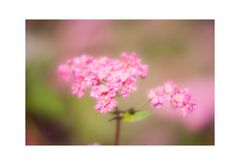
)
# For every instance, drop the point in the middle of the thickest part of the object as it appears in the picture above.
(42, 97)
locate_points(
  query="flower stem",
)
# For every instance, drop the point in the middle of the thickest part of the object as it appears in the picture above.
(118, 124)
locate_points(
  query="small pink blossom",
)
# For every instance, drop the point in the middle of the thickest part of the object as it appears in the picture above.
(169, 88)
(78, 88)
(179, 99)
(156, 97)
(105, 77)
(105, 104)
(133, 61)
(64, 72)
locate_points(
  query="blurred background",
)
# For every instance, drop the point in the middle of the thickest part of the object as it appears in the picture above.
(181, 50)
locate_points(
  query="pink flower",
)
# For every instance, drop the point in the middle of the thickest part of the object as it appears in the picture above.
(78, 87)
(169, 88)
(156, 97)
(132, 60)
(179, 99)
(102, 90)
(105, 104)
(106, 77)
(64, 72)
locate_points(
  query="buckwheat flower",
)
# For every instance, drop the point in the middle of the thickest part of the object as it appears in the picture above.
(81, 61)
(105, 96)
(188, 107)
(182, 100)
(102, 90)
(156, 97)
(179, 99)
(169, 88)
(132, 60)
(128, 86)
(64, 72)
(105, 104)
(106, 77)
(142, 71)
(78, 88)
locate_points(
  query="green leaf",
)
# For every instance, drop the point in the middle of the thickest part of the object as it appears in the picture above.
(136, 116)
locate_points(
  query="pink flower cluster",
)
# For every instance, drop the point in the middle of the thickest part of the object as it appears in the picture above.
(179, 99)
(105, 77)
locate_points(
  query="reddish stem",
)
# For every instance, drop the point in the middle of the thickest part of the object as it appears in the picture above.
(118, 124)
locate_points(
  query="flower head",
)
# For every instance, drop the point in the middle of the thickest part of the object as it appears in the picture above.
(105, 77)
(179, 99)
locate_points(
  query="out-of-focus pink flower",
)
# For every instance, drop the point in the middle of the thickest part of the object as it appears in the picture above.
(80, 35)
(106, 77)
(203, 91)
(179, 99)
